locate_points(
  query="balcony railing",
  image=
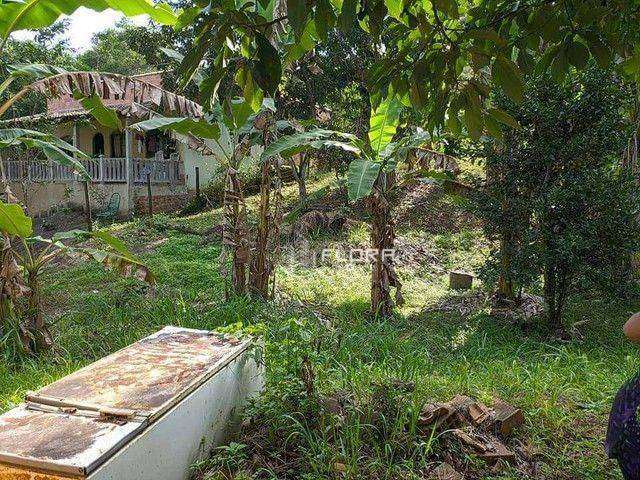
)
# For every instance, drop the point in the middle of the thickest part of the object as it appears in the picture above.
(101, 170)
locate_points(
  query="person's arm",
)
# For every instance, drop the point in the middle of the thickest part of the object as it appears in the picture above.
(632, 328)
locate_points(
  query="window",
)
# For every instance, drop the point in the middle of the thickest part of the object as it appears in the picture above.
(117, 145)
(98, 145)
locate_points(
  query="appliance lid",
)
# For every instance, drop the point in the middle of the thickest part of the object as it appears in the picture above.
(148, 377)
(66, 443)
(78, 422)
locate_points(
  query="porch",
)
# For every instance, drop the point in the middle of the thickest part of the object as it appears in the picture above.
(101, 170)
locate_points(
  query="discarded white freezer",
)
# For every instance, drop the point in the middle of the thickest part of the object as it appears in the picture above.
(146, 412)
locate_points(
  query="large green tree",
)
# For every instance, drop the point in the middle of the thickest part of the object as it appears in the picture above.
(46, 47)
(111, 52)
(556, 201)
(440, 56)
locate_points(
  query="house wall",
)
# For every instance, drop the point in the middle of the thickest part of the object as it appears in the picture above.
(41, 197)
(165, 198)
(191, 158)
(86, 132)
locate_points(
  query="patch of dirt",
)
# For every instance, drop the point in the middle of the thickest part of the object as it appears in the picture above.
(463, 304)
(415, 254)
(59, 221)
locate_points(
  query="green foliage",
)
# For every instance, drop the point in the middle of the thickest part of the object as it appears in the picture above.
(34, 14)
(111, 52)
(13, 220)
(107, 117)
(436, 54)
(22, 62)
(361, 177)
(377, 156)
(267, 68)
(383, 124)
(23, 329)
(317, 138)
(180, 125)
(556, 199)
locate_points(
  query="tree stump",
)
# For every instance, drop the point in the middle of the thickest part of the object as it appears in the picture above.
(460, 280)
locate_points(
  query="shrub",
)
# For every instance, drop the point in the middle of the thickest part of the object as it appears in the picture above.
(556, 201)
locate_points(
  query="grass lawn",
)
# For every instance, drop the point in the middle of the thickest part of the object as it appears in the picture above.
(444, 343)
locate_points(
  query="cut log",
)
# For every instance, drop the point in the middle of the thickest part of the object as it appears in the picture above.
(434, 415)
(479, 413)
(460, 280)
(506, 417)
(470, 441)
(444, 471)
(455, 412)
(461, 405)
(499, 452)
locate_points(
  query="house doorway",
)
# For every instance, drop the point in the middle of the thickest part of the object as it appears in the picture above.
(98, 145)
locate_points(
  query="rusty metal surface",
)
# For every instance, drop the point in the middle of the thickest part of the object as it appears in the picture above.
(150, 375)
(8, 472)
(68, 443)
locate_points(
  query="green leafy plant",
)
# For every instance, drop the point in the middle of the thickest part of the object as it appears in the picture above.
(34, 14)
(236, 139)
(24, 257)
(556, 202)
(370, 175)
(444, 58)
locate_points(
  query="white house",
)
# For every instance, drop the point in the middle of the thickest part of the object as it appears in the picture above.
(120, 160)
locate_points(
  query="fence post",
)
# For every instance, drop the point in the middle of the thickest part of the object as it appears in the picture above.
(198, 182)
(128, 143)
(149, 197)
(101, 168)
(87, 206)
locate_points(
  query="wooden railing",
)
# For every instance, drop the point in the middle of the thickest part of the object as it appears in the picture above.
(101, 170)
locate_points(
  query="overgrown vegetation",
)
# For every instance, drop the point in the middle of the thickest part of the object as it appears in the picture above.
(557, 201)
(342, 387)
(538, 88)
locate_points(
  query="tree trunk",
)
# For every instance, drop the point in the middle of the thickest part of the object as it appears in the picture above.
(505, 290)
(35, 324)
(551, 294)
(276, 226)
(383, 275)
(300, 174)
(496, 175)
(235, 235)
(261, 265)
(260, 268)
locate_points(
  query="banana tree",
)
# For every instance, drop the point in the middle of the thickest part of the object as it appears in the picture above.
(235, 138)
(370, 176)
(23, 259)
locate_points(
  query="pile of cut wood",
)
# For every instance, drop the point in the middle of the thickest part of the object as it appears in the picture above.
(475, 428)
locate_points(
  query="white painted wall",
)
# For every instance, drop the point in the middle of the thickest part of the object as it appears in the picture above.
(209, 166)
